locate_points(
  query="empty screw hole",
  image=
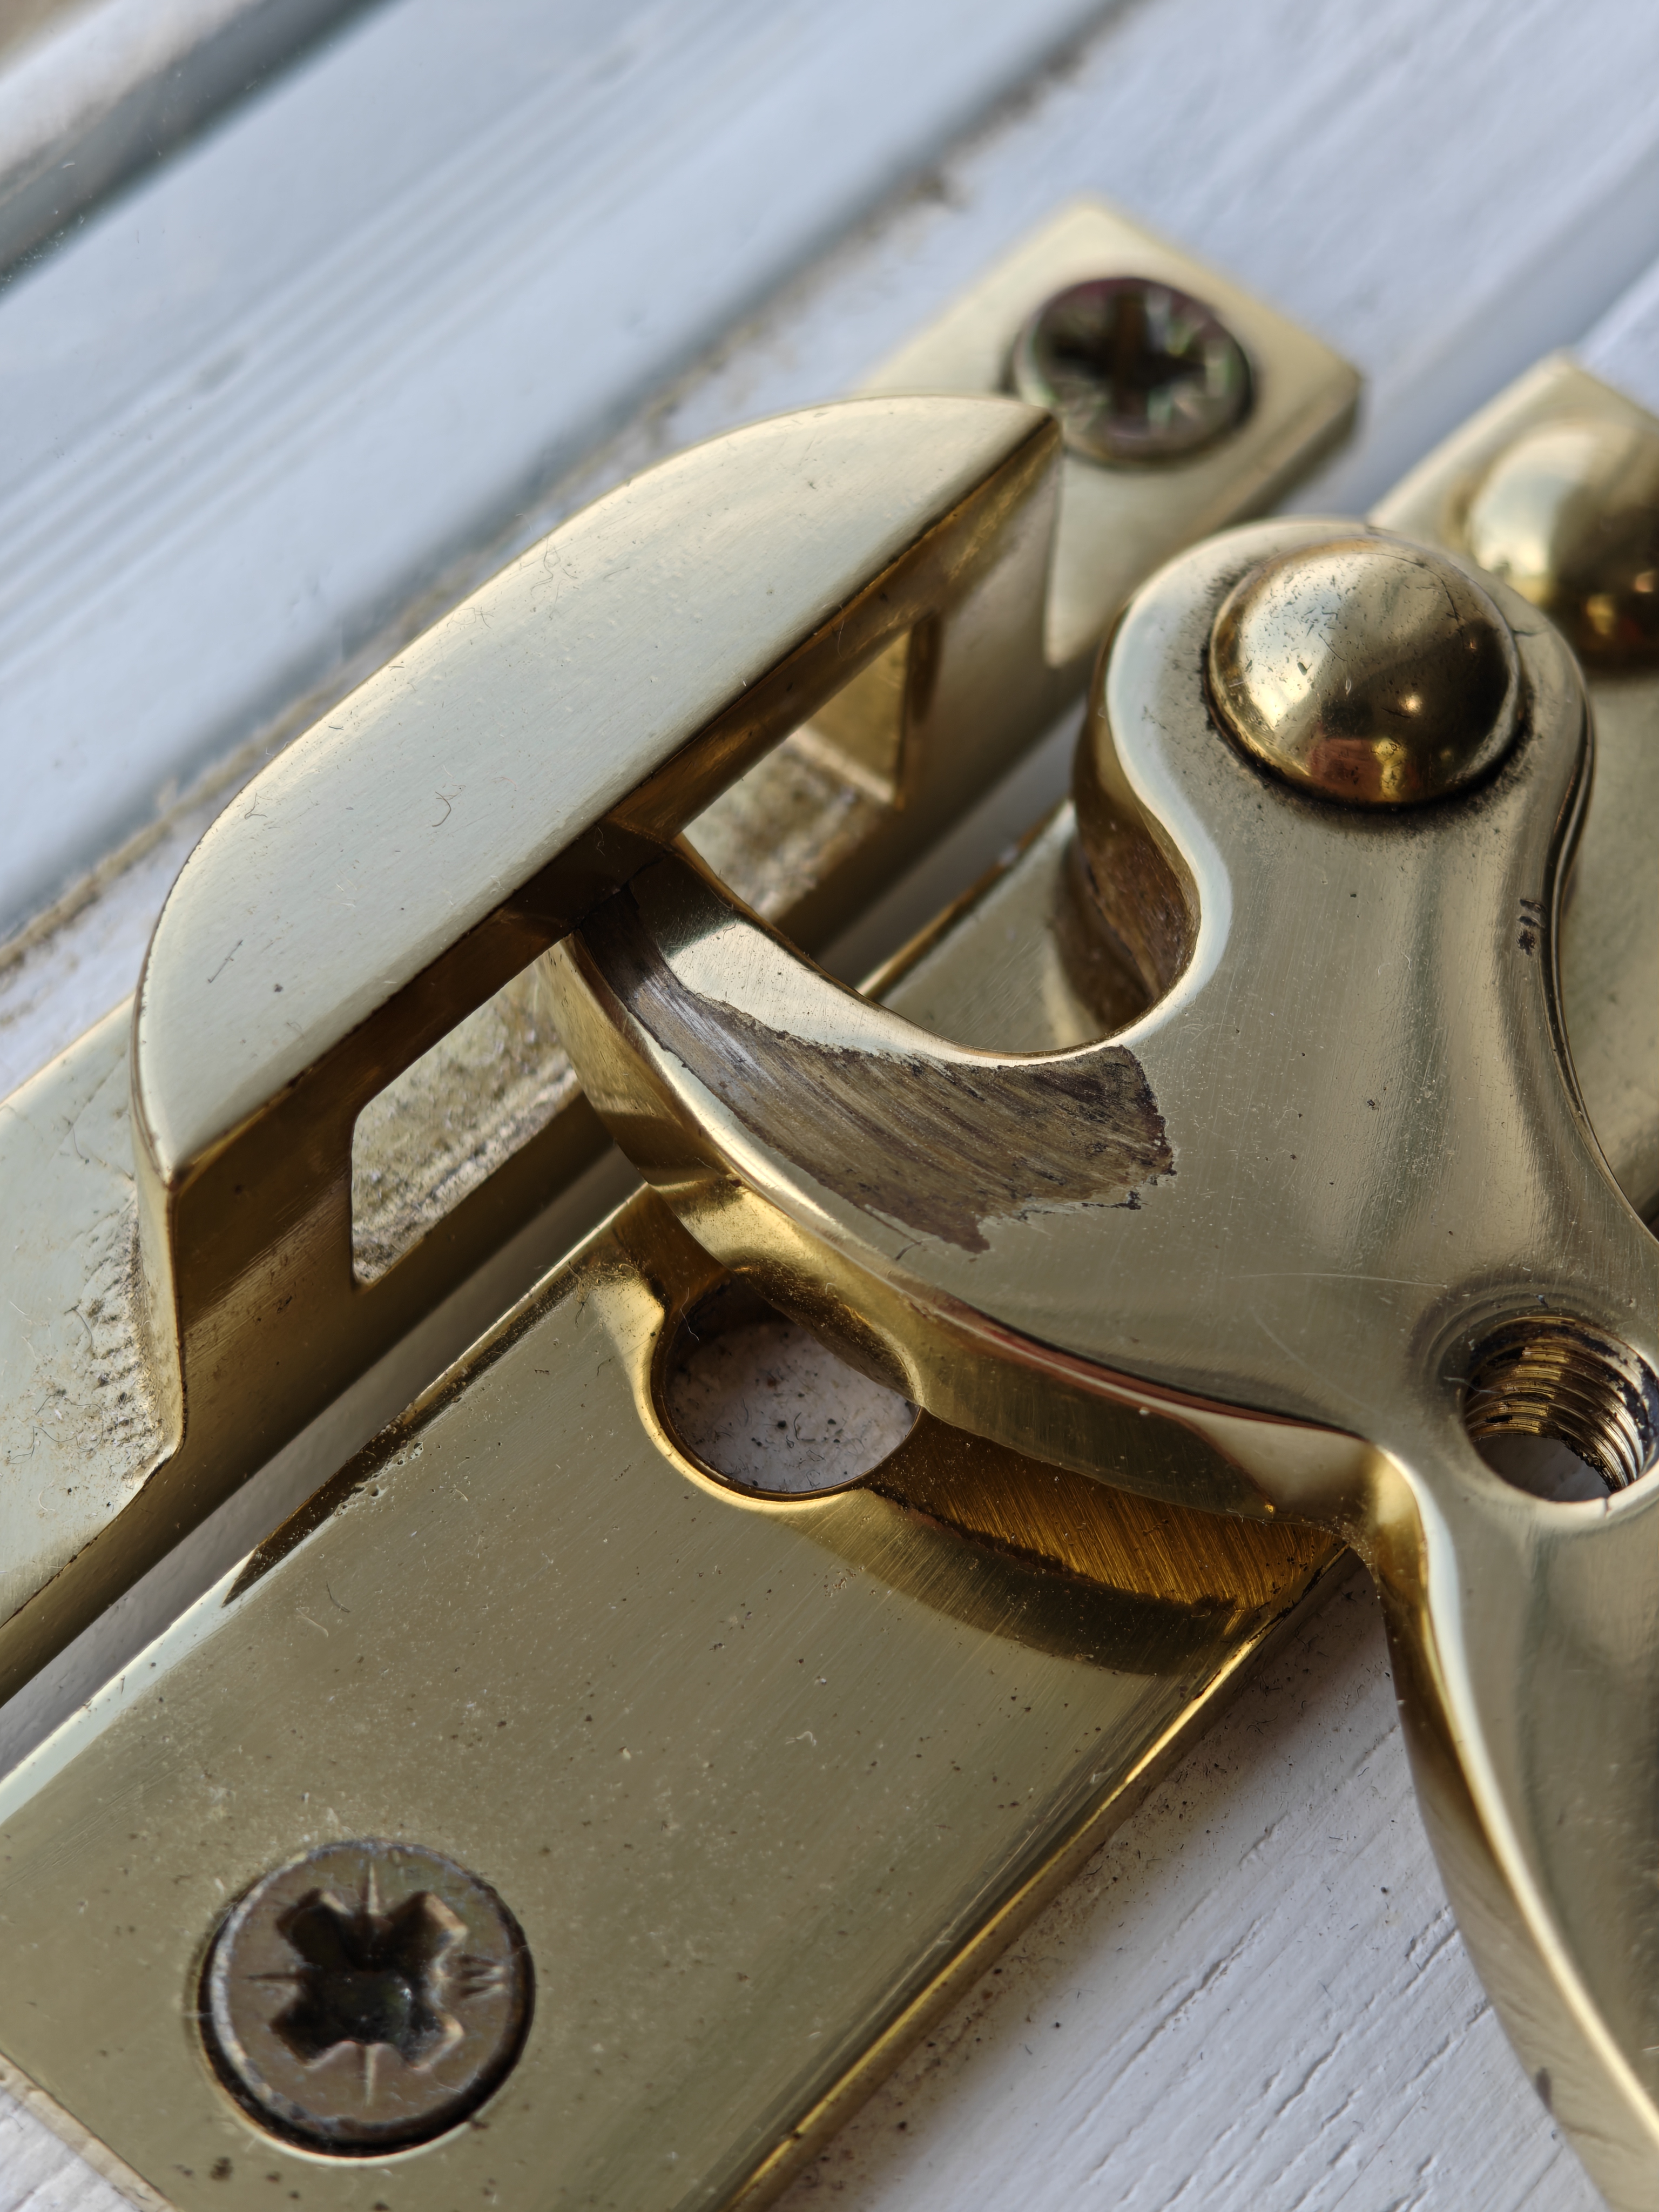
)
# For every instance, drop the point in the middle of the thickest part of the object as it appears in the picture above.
(766, 1405)
(1561, 1411)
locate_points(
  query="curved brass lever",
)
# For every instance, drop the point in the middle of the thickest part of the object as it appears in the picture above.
(451, 818)
(582, 708)
(1281, 1246)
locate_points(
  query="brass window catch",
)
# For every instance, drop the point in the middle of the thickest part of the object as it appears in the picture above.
(1217, 1180)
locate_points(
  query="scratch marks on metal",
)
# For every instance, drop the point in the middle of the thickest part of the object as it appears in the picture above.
(941, 1145)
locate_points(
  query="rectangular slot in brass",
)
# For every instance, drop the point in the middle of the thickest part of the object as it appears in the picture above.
(785, 835)
(452, 1117)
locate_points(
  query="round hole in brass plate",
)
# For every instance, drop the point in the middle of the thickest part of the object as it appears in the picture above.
(762, 1403)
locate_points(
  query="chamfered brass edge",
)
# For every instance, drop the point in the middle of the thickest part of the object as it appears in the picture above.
(1016, 1912)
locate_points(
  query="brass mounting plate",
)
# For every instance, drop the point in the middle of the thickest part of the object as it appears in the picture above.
(93, 1489)
(763, 1782)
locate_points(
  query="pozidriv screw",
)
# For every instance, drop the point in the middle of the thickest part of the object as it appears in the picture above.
(1136, 371)
(365, 1997)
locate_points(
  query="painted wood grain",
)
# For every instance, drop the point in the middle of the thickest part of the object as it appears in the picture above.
(259, 407)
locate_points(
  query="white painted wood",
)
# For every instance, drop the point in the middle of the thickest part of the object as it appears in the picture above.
(93, 90)
(1444, 190)
(38, 2173)
(258, 408)
(1624, 345)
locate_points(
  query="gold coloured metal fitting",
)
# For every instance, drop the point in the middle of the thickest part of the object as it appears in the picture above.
(1064, 1252)
(1569, 516)
(1366, 670)
(613, 1628)
(812, 671)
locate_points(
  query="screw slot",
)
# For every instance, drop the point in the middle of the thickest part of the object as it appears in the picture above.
(1560, 1410)
(1135, 371)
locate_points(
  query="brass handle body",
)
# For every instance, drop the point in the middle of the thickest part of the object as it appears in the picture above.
(1255, 1251)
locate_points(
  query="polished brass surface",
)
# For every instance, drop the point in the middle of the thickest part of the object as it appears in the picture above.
(332, 1134)
(1373, 672)
(1136, 372)
(1569, 514)
(1608, 941)
(365, 1997)
(1278, 1310)
(504, 1515)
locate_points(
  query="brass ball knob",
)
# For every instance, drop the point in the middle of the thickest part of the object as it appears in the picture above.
(1568, 515)
(1366, 670)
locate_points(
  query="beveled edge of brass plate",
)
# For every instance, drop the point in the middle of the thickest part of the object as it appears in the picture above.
(1012, 1918)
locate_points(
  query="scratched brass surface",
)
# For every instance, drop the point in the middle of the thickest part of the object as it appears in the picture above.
(158, 1772)
(763, 1782)
(300, 1012)
(1253, 1252)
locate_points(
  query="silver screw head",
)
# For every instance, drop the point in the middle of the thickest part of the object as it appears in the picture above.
(1367, 670)
(365, 1997)
(1137, 373)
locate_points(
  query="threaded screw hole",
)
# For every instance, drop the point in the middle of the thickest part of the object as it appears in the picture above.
(1560, 1410)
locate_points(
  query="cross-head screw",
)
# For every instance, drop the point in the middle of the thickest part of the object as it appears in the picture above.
(365, 1997)
(1135, 371)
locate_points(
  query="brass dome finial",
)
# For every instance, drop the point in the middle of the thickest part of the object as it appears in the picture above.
(1367, 670)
